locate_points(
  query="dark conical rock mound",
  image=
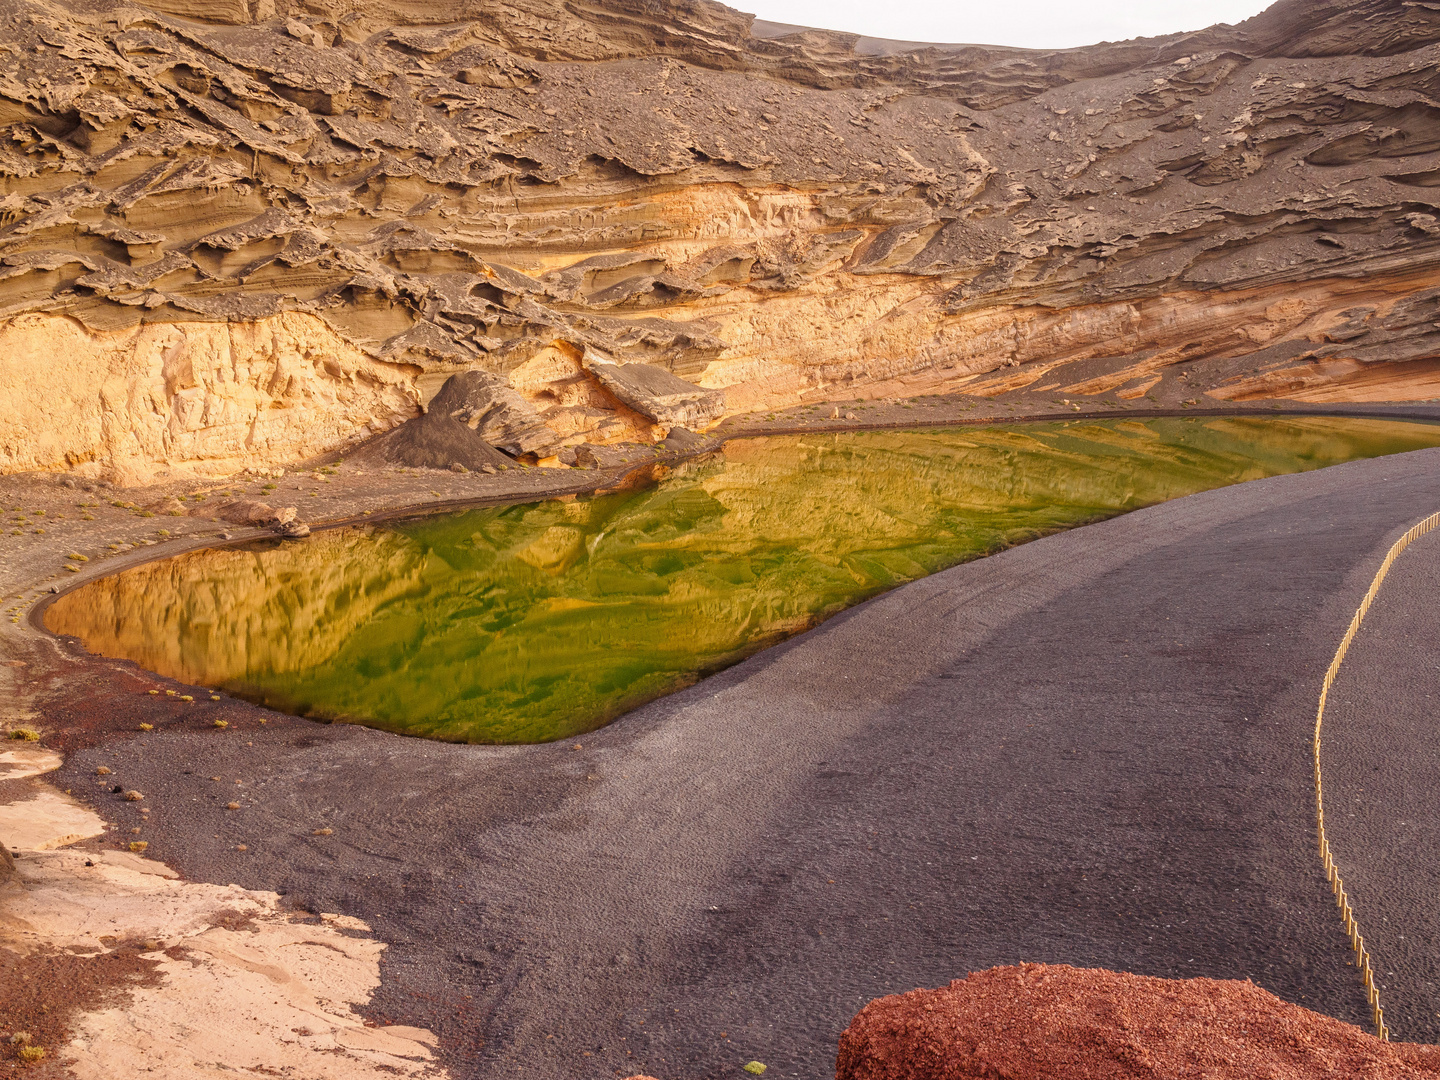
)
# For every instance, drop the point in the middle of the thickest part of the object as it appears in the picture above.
(473, 414)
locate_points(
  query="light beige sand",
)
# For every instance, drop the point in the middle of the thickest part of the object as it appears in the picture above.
(19, 760)
(46, 820)
(244, 987)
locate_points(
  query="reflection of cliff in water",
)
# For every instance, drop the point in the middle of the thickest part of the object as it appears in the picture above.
(543, 620)
(210, 616)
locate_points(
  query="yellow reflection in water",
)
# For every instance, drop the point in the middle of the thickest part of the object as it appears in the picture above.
(539, 621)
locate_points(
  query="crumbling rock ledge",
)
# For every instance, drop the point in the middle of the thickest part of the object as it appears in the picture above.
(243, 234)
(656, 394)
(1056, 1022)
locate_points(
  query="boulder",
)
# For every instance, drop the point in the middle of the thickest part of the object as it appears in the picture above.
(257, 514)
(171, 507)
(655, 393)
(605, 457)
(683, 440)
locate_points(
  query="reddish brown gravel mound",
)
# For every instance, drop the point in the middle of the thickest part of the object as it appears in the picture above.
(1055, 1022)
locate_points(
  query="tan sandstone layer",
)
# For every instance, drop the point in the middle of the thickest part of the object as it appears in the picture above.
(244, 233)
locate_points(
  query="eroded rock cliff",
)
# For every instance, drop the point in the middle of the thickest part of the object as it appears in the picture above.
(247, 232)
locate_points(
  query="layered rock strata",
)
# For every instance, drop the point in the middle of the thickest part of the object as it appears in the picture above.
(251, 231)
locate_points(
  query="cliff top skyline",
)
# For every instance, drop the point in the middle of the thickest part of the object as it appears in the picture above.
(1026, 24)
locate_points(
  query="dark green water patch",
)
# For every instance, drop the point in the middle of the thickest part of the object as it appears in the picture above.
(538, 621)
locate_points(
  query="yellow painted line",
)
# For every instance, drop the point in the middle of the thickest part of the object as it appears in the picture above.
(1332, 872)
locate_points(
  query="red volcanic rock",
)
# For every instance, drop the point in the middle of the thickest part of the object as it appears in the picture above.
(1055, 1022)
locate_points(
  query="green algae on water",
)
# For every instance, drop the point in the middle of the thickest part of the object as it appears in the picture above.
(539, 621)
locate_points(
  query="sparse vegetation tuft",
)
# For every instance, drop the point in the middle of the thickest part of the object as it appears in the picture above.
(26, 1049)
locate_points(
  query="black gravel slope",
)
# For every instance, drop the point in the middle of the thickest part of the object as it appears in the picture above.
(1092, 749)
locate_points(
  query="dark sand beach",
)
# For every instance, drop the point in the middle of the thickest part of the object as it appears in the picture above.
(1090, 749)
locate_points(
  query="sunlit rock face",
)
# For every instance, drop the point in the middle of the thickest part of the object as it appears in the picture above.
(242, 232)
(534, 622)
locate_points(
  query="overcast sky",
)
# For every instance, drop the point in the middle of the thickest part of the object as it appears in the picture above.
(1043, 24)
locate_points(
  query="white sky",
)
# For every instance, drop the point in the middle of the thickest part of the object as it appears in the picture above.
(1043, 24)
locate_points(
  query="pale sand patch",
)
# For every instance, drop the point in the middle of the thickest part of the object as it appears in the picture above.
(262, 995)
(138, 863)
(21, 761)
(274, 996)
(45, 821)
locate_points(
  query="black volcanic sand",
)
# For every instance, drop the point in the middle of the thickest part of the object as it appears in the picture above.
(1093, 749)
(1381, 759)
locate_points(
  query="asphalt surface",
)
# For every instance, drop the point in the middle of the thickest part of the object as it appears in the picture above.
(1381, 761)
(1091, 749)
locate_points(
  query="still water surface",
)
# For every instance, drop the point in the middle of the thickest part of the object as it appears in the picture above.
(539, 621)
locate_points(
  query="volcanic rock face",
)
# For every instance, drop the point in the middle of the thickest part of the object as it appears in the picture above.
(473, 413)
(246, 231)
(1056, 1022)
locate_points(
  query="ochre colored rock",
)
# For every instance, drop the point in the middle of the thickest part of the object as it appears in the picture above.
(211, 396)
(171, 506)
(1055, 1022)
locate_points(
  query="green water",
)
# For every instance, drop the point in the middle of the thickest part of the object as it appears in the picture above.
(539, 621)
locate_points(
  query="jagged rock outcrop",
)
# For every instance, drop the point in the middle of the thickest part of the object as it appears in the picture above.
(487, 405)
(223, 394)
(473, 417)
(258, 229)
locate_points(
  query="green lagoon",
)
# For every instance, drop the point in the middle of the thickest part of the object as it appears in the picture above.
(539, 621)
